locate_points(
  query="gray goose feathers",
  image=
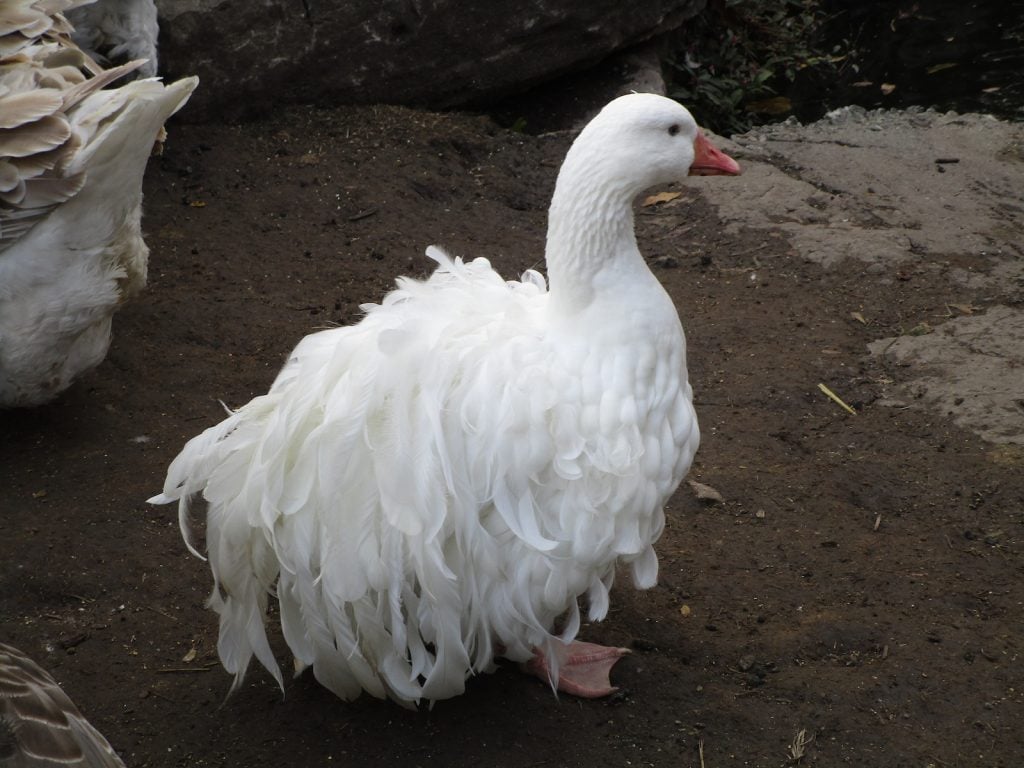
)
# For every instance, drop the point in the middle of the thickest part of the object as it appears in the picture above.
(40, 727)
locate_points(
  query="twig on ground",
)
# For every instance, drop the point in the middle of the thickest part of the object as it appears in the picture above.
(837, 399)
(175, 670)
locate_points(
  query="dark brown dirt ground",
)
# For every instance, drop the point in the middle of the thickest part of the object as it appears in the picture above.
(861, 581)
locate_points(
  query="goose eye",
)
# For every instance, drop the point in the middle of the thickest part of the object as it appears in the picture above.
(673, 129)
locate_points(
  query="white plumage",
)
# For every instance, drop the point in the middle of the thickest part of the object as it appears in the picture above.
(439, 484)
(72, 157)
(40, 727)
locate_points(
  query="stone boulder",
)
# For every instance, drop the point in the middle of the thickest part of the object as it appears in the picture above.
(437, 53)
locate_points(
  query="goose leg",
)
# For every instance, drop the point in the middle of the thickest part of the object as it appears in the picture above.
(583, 669)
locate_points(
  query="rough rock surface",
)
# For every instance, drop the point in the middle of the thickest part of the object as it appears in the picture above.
(250, 56)
(972, 368)
(913, 195)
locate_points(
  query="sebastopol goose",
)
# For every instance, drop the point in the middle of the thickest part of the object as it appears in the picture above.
(443, 483)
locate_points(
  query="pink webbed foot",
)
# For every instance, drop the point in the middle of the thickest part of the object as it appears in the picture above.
(583, 669)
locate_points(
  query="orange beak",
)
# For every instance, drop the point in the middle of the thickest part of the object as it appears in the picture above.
(709, 160)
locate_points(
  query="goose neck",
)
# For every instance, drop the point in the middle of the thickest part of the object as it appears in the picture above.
(590, 232)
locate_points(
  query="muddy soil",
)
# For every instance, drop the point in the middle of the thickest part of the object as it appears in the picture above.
(854, 600)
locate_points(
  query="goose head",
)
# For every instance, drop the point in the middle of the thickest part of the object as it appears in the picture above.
(637, 141)
(641, 140)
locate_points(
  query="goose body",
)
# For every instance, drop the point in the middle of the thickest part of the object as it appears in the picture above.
(441, 483)
(72, 157)
(40, 727)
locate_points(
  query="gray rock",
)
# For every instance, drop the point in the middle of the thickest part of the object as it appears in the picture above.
(969, 370)
(437, 53)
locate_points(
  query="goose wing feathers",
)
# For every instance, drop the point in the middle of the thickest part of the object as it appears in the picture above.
(118, 30)
(72, 156)
(40, 726)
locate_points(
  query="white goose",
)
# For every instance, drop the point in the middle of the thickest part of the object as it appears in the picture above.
(72, 157)
(40, 727)
(439, 484)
